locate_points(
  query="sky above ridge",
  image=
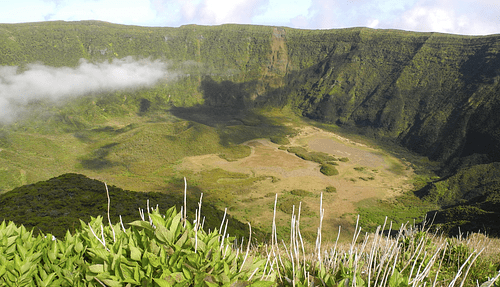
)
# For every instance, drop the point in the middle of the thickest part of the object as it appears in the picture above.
(468, 17)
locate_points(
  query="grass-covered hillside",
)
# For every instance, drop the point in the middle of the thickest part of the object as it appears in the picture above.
(435, 94)
(470, 200)
(57, 205)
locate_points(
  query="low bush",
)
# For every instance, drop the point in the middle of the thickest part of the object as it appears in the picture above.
(319, 157)
(328, 169)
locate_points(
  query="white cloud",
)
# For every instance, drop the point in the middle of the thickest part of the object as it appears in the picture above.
(207, 12)
(116, 11)
(220, 11)
(323, 14)
(34, 11)
(430, 19)
(44, 82)
(373, 23)
(330, 14)
(464, 17)
(284, 13)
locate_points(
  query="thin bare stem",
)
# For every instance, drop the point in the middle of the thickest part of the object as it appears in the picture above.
(185, 202)
(248, 245)
(223, 219)
(95, 235)
(109, 219)
(121, 223)
(468, 268)
(99, 281)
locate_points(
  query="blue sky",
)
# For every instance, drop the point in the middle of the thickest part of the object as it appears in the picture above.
(469, 17)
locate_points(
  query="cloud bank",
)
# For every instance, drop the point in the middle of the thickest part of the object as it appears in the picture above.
(39, 82)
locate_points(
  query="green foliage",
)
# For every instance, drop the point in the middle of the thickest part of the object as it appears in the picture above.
(328, 169)
(164, 251)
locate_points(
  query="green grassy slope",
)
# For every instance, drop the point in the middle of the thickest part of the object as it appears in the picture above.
(470, 200)
(57, 205)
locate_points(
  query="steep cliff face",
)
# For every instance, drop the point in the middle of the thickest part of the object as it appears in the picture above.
(435, 94)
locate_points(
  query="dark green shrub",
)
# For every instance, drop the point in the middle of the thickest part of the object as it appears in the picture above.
(328, 169)
(320, 157)
(299, 151)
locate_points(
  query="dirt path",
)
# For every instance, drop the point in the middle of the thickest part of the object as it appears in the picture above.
(371, 179)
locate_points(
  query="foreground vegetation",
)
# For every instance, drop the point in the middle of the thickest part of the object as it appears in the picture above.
(170, 250)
